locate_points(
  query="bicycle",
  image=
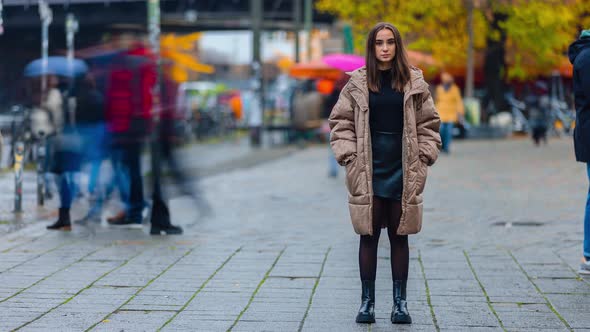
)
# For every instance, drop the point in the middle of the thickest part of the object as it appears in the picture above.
(518, 109)
(29, 131)
(561, 116)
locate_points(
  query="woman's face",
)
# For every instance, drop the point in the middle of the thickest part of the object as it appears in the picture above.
(385, 46)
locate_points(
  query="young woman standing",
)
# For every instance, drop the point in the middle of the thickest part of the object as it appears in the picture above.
(385, 130)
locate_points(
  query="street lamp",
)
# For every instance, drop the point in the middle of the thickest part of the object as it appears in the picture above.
(1, 20)
(71, 30)
(472, 104)
(160, 214)
(46, 18)
(308, 25)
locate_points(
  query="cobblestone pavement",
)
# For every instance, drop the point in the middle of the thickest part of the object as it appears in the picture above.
(197, 159)
(499, 251)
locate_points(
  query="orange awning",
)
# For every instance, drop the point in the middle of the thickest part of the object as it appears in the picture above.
(314, 70)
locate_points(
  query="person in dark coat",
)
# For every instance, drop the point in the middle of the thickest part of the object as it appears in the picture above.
(539, 117)
(65, 162)
(579, 54)
(90, 122)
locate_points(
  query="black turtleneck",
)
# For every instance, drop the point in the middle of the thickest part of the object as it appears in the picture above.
(386, 107)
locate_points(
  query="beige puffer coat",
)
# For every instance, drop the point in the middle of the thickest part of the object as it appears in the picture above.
(351, 143)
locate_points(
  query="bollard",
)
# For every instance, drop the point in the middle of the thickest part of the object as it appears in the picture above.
(19, 153)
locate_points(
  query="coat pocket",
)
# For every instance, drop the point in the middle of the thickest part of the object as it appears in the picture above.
(413, 222)
(356, 178)
(421, 176)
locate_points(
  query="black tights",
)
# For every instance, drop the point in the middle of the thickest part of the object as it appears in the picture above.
(386, 212)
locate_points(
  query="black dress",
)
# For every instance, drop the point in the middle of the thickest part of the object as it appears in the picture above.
(386, 121)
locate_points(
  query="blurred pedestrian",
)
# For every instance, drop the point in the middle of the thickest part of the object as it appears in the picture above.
(538, 104)
(65, 162)
(53, 103)
(307, 106)
(450, 107)
(43, 106)
(128, 102)
(579, 54)
(254, 112)
(91, 126)
(166, 139)
(389, 100)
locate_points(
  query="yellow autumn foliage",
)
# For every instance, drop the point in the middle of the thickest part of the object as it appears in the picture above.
(538, 31)
(178, 49)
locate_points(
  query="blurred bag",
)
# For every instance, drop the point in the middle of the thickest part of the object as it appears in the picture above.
(42, 124)
(65, 151)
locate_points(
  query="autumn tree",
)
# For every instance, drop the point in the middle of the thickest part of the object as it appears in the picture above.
(437, 27)
(521, 39)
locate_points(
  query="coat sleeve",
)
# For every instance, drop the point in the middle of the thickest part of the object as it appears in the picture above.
(342, 126)
(584, 74)
(428, 125)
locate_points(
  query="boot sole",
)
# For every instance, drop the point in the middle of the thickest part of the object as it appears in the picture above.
(365, 319)
(163, 232)
(63, 229)
(401, 319)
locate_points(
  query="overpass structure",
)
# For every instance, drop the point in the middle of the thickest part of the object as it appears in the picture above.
(177, 15)
(20, 41)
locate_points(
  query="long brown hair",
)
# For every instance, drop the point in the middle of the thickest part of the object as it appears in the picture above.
(400, 69)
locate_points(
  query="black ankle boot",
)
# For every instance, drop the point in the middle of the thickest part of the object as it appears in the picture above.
(367, 310)
(160, 218)
(167, 229)
(400, 314)
(63, 223)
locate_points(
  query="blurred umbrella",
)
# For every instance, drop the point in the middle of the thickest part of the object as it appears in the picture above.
(331, 66)
(344, 62)
(314, 70)
(349, 62)
(56, 65)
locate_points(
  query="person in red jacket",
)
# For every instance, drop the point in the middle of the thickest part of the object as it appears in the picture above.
(128, 102)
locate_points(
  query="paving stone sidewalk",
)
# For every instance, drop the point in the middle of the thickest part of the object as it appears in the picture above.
(499, 250)
(196, 159)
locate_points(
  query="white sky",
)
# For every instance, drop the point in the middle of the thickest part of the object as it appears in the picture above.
(237, 45)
